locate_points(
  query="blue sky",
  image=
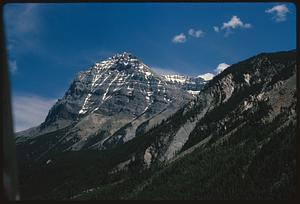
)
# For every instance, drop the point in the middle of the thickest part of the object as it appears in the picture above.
(48, 44)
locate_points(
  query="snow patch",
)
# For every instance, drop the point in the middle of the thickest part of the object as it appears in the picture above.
(207, 76)
(176, 78)
(104, 95)
(193, 92)
(84, 108)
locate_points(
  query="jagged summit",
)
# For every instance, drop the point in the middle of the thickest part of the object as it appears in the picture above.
(124, 55)
(119, 61)
(124, 62)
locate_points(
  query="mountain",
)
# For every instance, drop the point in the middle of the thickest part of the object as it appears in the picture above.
(234, 140)
(192, 85)
(106, 105)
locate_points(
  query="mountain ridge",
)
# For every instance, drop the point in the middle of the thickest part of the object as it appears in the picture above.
(221, 142)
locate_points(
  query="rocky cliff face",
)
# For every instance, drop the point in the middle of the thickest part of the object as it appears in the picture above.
(264, 84)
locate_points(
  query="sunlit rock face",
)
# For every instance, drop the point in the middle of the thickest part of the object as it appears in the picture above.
(106, 104)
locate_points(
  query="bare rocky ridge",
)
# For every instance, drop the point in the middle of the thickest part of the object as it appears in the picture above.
(259, 76)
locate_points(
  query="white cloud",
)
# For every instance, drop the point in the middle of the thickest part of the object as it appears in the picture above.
(279, 12)
(29, 110)
(221, 67)
(163, 71)
(206, 76)
(181, 38)
(235, 22)
(12, 64)
(216, 29)
(196, 33)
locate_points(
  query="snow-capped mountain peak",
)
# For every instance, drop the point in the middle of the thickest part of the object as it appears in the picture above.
(110, 95)
(192, 85)
(120, 91)
(176, 78)
(206, 77)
